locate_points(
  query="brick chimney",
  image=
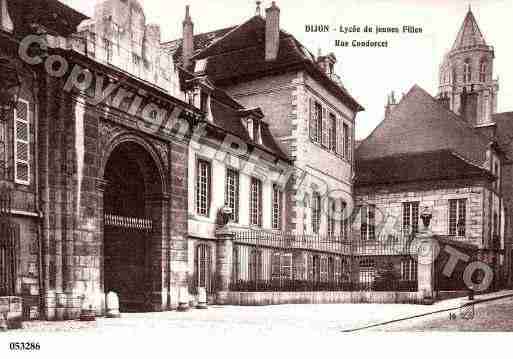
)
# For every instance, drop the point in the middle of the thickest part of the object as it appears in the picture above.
(188, 41)
(5, 20)
(469, 105)
(272, 32)
(444, 100)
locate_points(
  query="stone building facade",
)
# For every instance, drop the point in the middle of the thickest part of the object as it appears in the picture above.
(102, 205)
(304, 102)
(445, 153)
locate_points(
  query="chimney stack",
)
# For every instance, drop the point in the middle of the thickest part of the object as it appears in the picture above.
(188, 41)
(258, 9)
(272, 32)
(469, 105)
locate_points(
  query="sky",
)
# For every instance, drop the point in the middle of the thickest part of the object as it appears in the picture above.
(368, 73)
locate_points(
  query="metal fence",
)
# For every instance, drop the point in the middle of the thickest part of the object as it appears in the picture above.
(266, 261)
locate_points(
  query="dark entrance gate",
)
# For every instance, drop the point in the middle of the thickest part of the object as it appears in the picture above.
(128, 227)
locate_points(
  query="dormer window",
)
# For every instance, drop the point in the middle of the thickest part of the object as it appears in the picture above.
(254, 129)
(248, 124)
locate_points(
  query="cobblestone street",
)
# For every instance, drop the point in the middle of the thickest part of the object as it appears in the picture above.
(271, 320)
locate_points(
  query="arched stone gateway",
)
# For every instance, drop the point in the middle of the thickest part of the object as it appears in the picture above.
(133, 236)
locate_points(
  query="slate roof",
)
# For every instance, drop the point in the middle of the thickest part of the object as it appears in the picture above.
(469, 34)
(438, 165)
(238, 53)
(421, 140)
(227, 118)
(419, 123)
(201, 41)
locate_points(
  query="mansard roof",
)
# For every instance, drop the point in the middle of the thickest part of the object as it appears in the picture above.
(238, 54)
(469, 35)
(420, 124)
(437, 165)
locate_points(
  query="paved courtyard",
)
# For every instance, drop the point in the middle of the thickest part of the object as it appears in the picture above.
(271, 320)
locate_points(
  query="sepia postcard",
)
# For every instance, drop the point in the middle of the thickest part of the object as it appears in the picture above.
(195, 178)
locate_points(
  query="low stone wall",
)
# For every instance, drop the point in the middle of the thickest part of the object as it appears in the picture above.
(11, 308)
(273, 298)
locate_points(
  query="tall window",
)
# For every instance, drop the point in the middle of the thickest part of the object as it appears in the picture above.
(409, 269)
(203, 267)
(108, 49)
(314, 265)
(482, 70)
(496, 173)
(331, 269)
(203, 180)
(495, 224)
(281, 265)
(316, 212)
(255, 205)
(203, 101)
(410, 217)
(232, 192)
(367, 228)
(467, 71)
(344, 221)
(331, 216)
(316, 122)
(347, 142)
(255, 265)
(22, 143)
(235, 263)
(277, 207)
(324, 269)
(332, 134)
(457, 217)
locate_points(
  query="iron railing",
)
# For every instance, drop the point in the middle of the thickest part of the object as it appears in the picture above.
(114, 220)
(269, 261)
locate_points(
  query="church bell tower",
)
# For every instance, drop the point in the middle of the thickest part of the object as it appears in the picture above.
(467, 69)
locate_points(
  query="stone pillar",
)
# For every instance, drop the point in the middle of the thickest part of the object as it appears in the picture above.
(426, 248)
(224, 253)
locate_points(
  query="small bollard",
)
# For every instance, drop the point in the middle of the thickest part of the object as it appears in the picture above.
(87, 312)
(183, 300)
(202, 298)
(112, 305)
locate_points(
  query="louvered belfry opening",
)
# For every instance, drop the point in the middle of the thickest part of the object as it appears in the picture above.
(129, 230)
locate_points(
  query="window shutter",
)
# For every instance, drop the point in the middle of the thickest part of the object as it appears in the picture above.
(340, 137)
(22, 143)
(313, 121)
(325, 129)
